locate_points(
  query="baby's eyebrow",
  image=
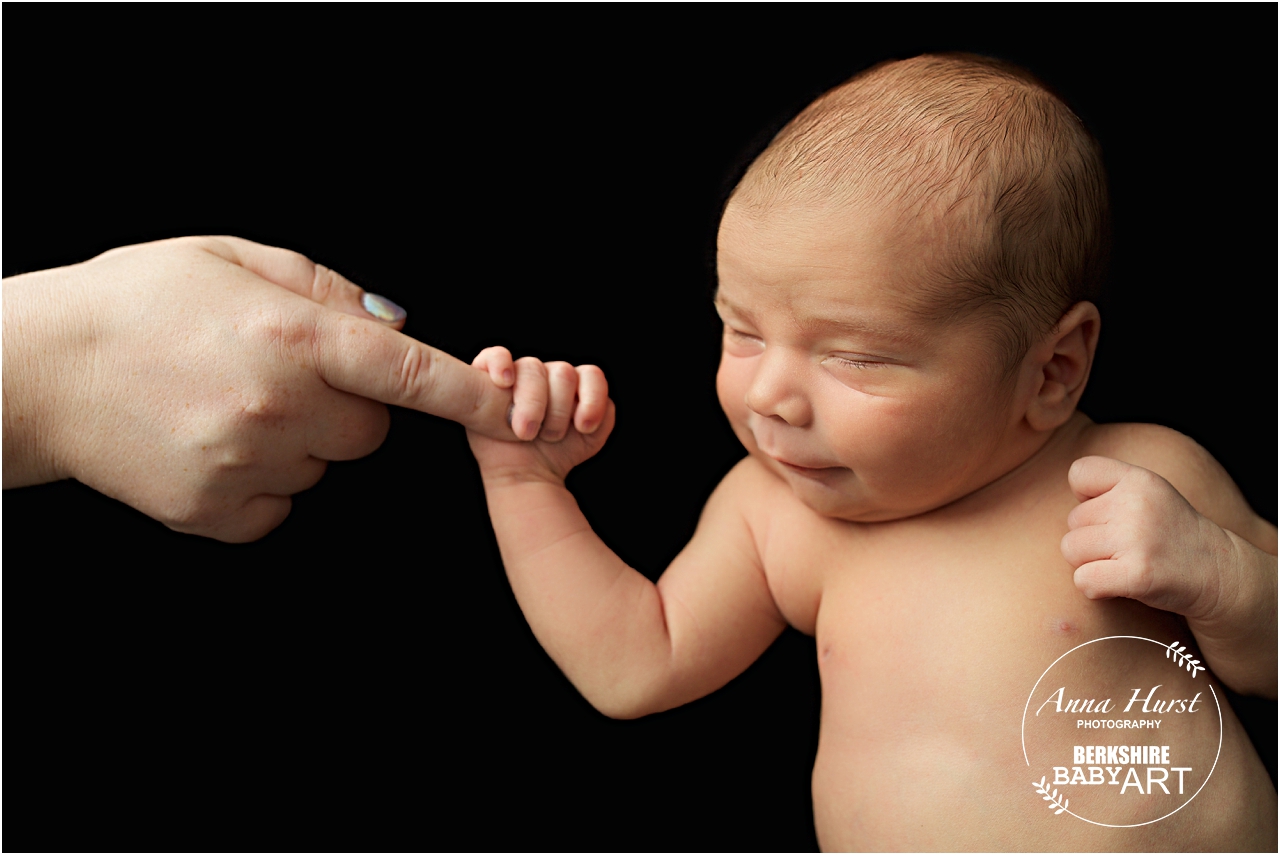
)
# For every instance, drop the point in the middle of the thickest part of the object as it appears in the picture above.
(891, 332)
(722, 303)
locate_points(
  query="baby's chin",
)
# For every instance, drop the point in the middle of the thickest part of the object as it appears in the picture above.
(842, 496)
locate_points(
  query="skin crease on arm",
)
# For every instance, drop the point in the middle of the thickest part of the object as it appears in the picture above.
(204, 381)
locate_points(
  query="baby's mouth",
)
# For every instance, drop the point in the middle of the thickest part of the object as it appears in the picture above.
(819, 472)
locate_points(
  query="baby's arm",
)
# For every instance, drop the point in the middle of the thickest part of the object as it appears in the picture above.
(1188, 544)
(630, 646)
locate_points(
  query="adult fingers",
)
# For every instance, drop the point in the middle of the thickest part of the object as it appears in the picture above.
(562, 387)
(344, 426)
(498, 363)
(593, 398)
(296, 272)
(252, 520)
(287, 478)
(529, 406)
(372, 361)
(1092, 476)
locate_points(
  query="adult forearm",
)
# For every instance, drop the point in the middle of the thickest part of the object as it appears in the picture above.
(32, 315)
(601, 621)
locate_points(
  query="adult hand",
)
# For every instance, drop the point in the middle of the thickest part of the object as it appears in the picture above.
(204, 381)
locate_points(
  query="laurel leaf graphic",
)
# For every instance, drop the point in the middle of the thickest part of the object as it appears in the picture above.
(1066, 804)
(1058, 811)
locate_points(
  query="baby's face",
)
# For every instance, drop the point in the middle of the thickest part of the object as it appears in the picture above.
(868, 412)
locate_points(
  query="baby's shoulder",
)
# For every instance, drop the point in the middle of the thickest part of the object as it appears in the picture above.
(764, 501)
(1178, 459)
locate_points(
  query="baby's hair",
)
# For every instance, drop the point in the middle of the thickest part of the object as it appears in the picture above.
(1010, 178)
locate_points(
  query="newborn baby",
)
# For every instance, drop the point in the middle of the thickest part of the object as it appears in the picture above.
(906, 279)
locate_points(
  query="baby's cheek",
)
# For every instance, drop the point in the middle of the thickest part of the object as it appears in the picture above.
(731, 387)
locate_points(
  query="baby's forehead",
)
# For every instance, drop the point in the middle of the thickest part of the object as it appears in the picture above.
(865, 269)
(871, 243)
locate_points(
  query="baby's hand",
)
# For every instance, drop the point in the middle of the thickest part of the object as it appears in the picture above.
(563, 413)
(1134, 535)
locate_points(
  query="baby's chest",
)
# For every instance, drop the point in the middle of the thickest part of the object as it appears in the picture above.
(930, 589)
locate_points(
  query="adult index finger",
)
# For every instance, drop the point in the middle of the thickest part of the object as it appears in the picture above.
(372, 360)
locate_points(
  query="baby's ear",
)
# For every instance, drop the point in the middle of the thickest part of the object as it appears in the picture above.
(1060, 364)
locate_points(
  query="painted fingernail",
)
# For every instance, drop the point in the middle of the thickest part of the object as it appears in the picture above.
(508, 376)
(587, 427)
(382, 308)
(533, 431)
(511, 408)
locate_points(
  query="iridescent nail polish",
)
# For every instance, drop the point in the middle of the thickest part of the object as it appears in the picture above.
(382, 308)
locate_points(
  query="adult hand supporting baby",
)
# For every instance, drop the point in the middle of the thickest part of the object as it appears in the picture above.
(205, 380)
(1134, 535)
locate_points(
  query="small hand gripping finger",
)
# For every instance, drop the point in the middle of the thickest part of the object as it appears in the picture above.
(593, 399)
(531, 396)
(498, 363)
(562, 386)
(371, 360)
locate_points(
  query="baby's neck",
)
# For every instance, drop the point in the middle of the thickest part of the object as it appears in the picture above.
(1052, 449)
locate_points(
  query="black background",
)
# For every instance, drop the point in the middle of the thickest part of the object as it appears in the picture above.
(545, 178)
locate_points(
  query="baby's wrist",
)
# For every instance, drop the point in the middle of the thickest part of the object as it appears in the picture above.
(505, 477)
(1240, 584)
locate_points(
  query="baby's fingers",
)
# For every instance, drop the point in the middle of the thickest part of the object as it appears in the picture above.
(1102, 580)
(593, 399)
(531, 397)
(1091, 543)
(497, 361)
(562, 384)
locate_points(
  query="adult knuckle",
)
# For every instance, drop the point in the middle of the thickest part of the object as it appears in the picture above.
(278, 331)
(324, 282)
(416, 374)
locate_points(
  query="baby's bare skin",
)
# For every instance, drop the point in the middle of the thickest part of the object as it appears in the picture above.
(931, 631)
(904, 500)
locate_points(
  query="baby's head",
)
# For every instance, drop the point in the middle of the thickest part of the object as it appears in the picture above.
(906, 277)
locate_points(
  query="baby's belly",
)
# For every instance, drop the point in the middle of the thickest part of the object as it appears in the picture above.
(926, 671)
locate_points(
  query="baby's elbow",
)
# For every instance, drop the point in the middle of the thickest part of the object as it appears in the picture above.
(620, 712)
(625, 700)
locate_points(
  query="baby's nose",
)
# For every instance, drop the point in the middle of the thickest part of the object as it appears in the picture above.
(777, 388)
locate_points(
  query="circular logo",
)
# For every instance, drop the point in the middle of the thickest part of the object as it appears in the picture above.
(1121, 731)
